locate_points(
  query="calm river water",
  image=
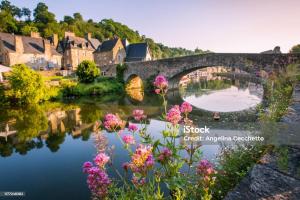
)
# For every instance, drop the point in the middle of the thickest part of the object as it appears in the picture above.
(46, 146)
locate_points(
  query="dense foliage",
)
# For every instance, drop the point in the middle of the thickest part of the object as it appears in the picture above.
(19, 21)
(99, 87)
(27, 86)
(295, 49)
(87, 71)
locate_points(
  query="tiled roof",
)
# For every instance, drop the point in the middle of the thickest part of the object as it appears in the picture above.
(136, 52)
(30, 44)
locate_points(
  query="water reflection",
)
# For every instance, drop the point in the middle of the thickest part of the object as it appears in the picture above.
(223, 95)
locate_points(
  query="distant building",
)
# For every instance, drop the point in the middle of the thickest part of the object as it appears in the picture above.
(276, 50)
(138, 52)
(34, 51)
(110, 52)
(76, 49)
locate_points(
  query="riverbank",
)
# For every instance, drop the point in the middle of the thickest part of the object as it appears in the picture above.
(276, 176)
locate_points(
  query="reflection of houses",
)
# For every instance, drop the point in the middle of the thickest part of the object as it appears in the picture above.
(203, 74)
(76, 49)
(110, 52)
(33, 51)
(7, 132)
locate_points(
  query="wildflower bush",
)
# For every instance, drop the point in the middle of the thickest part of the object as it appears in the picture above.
(157, 169)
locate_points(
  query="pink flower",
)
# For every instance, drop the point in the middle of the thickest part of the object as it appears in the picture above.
(101, 159)
(186, 108)
(142, 160)
(87, 166)
(205, 168)
(174, 115)
(125, 166)
(98, 182)
(132, 127)
(161, 82)
(128, 139)
(138, 115)
(157, 91)
(165, 155)
(113, 122)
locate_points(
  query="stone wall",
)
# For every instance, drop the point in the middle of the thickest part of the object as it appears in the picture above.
(35, 61)
(74, 56)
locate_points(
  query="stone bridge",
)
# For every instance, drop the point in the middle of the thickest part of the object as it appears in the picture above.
(174, 68)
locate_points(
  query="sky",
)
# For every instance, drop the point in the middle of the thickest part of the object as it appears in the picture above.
(227, 26)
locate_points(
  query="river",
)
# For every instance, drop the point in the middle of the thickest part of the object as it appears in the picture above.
(47, 144)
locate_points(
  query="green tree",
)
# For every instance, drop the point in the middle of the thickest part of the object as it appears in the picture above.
(27, 13)
(27, 29)
(7, 22)
(87, 71)
(27, 86)
(295, 49)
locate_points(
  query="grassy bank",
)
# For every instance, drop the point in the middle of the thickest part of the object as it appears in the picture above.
(100, 87)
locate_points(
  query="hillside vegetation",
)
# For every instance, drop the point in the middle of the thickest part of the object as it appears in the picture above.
(23, 21)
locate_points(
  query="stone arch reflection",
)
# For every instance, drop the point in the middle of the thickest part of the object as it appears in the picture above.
(135, 88)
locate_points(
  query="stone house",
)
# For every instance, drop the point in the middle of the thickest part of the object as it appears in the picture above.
(34, 51)
(76, 49)
(110, 52)
(138, 52)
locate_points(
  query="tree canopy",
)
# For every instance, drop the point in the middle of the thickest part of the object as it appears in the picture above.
(20, 21)
(295, 49)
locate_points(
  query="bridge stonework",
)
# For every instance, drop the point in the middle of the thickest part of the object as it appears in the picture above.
(173, 68)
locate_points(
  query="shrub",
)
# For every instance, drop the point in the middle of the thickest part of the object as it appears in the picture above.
(27, 86)
(87, 71)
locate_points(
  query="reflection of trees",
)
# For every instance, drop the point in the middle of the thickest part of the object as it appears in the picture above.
(90, 114)
(54, 140)
(6, 148)
(205, 86)
(29, 122)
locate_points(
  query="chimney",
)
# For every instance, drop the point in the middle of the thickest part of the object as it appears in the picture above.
(88, 36)
(19, 44)
(69, 34)
(55, 40)
(35, 34)
(47, 48)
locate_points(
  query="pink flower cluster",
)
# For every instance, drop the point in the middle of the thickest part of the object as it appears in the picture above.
(128, 139)
(142, 160)
(165, 155)
(161, 83)
(97, 180)
(101, 159)
(205, 169)
(174, 115)
(132, 128)
(113, 122)
(186, 108)
(139, 115)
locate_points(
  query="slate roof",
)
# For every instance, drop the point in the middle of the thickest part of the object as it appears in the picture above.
(136, 52)
(108, 45)
(30, 44)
